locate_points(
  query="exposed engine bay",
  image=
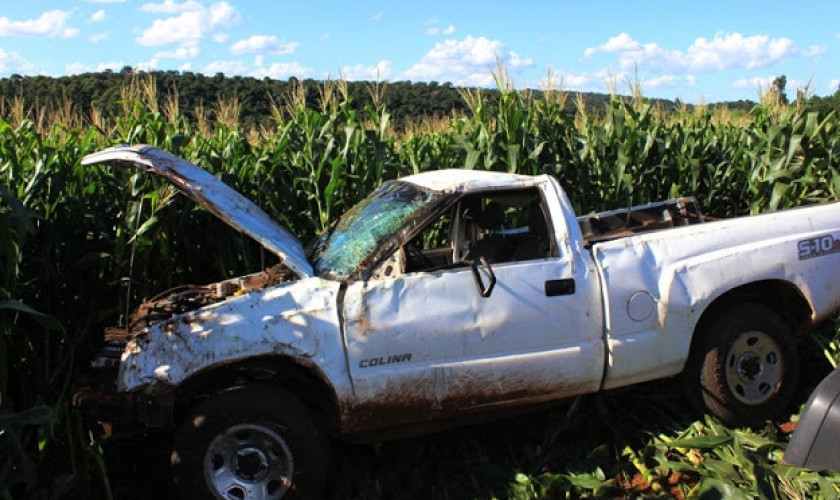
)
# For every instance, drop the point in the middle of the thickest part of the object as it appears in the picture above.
(187, 298)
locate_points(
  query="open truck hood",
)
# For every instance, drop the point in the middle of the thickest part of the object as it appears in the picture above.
(215, 196)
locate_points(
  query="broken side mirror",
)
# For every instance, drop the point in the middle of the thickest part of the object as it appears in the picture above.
(479, 282)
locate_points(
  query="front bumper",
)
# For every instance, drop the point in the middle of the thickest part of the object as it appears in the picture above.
(121, 414)
(113, 412)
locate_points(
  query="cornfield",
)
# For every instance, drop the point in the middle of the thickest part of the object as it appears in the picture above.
(80, 246)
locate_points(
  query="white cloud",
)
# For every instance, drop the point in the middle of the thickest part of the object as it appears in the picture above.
(12, 62)
(282, 71)
(171, 7)
(226, 67)
(466, 62)
(669, 81)
(756, 82)
(737, 51)
(833, 85)
(814, 51)
(325, 37)
(569, 81)
(438, 31)
(263, 43)
(359, 72)
(97, 16)
(179, 53)
(662, 81)
(98, 37)
(49, 24)
(378, 16)
(803, 85)
(435, 30)
(619, 43)
(576, 82)
(149, 65)
(105, 1)
(193, 22)
(77, 68)
(722, 52)
(112, 65)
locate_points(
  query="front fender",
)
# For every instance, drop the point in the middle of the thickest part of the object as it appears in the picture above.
(297, 319)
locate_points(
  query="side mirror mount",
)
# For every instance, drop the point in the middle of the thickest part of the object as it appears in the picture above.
(479, 282)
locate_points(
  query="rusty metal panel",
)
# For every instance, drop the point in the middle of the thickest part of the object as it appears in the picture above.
(215, 196)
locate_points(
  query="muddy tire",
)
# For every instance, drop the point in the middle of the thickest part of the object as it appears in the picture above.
(253, 442)
(744, 365)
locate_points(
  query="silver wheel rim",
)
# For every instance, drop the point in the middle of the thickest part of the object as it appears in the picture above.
(754, 367)
(248, 462)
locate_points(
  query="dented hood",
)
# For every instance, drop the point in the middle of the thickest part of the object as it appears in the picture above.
(215, 196)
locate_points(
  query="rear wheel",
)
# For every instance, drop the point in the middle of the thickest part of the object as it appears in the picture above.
(744, 365)
(250, 443)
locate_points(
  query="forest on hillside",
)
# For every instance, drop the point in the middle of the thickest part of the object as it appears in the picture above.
(259, 99)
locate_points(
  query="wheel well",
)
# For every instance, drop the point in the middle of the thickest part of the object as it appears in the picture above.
(782, 296)
(295, 376)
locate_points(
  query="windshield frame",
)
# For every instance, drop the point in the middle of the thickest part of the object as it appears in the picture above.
(386, 245)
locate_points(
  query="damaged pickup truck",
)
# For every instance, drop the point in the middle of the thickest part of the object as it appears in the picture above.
(448, 296)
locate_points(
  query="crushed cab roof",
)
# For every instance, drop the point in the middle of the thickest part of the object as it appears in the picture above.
(460, 180)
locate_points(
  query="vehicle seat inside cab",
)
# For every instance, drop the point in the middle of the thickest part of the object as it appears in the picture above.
(536, 245)
(492, 244)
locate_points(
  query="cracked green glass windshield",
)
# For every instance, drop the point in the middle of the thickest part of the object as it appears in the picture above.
(342, 249)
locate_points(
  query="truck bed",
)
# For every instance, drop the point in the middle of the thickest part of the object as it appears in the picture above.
(623, 222)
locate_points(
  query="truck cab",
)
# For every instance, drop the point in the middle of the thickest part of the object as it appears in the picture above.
(463, 311)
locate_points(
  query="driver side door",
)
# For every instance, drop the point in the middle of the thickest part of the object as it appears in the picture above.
(427, 344)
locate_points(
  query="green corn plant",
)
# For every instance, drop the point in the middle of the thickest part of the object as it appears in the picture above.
(82, 245)
(38, 435)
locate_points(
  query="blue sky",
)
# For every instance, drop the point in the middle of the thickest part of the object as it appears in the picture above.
(695, 51)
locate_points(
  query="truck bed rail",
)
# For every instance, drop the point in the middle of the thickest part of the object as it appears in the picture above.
(623, 222)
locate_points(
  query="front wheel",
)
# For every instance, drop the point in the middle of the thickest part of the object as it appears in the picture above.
(744, 365)
(250, 443)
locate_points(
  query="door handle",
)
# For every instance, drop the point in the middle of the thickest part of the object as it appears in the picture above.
(559, 287)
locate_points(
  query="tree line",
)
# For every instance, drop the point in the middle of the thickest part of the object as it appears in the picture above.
(407, 102)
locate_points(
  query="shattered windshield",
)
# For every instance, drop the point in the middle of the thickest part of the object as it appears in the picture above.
(342, 249)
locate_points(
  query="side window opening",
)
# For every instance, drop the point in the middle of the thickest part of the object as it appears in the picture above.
(501, 226)
(432, 247)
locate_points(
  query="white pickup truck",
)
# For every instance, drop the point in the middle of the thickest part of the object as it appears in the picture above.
(448, 296)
